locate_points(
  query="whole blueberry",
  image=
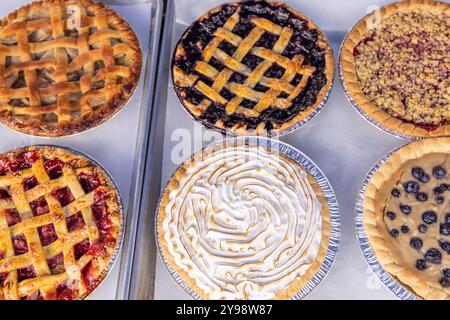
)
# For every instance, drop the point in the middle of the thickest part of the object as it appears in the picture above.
(446, 272)
(439, 190)
(395, 193)
(421, 264)
(394, 232)
(445, 283)
(429, 217)
(416, 243)
(390, 215)
(439, 172)
(422, 228)
(445, 245)
(421, 197)
(404, 208)
(417, 172)
(433, 255)
(404, 228)
(447, 218)
(439, 199)
(411, 187)
(444, 229)
(425, 178)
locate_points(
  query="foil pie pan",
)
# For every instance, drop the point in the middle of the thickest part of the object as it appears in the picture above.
(358, 108)
(116, 252)
(399, 290)
(313, 170)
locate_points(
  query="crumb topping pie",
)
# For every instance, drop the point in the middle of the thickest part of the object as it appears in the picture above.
(65, 66)
(60, 220)
(241, 221)
(252, 67)
(407, 216)
(398, 70)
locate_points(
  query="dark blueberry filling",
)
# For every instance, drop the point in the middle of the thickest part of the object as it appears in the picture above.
(444, 229)
(421, 197)
(404, 208)
(439, 199)
(433, 255)
(446, 272)
(395, 193)
(439, 172)
(416, 243)
(422, 228)
(390, 215)
(445, 245)
(394, 232)
(303, 41)
(411, 187)
(429, 217)
(417, 172)
(425, 178)
(447, 218)
(404, 228)
(421, 264)
(440, 189)
(445, 283)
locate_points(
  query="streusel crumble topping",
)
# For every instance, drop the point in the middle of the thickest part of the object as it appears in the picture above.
(404, 67)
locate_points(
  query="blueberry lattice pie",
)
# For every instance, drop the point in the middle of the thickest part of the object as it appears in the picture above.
(65, 66)
(407, 216)
(60, 221)
(396, 67)
(252, 67)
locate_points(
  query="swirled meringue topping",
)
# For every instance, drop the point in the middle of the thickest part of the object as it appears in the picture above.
(243, 223)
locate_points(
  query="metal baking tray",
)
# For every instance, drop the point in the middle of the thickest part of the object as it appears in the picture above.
(120, 145)
(342, 143)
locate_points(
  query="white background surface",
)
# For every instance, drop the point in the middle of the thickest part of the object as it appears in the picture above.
(338, 140)
(113, 144)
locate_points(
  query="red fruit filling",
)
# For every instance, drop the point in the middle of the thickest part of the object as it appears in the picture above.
(29, 183)
(90, 280)
(64, 293)
(23, 161)
(56, 264)
(89, 182)
(4, 194)
(12, 216)
(64, 196)
(4, 165)
(47, 234)
(26, 273)
(20, 244)
(81, 248)
(75, 222)
(3, 275)
(54, 168)
(39, 206)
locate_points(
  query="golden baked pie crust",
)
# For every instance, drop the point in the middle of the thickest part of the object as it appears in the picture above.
(351, 83)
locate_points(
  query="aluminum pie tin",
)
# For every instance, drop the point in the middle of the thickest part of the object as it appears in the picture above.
(113, 259)
(313, 170)
(229, 133)
(358, 108)
(388, 281)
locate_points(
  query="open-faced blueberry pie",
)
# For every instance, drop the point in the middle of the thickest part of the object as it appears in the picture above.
(253, 67)
(65, 66)
(60, 221)
(396, 67)
(407, 216)
(241, 221)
